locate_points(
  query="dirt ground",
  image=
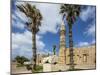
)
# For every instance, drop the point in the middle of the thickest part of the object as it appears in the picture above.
(18, 70)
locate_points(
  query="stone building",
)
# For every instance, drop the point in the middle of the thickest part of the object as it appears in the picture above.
(39, 60)
(84, 57)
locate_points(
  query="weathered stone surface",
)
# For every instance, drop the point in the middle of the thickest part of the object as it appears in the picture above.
(81, 61)
(84, 57)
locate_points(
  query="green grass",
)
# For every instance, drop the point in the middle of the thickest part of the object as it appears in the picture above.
(20, 65)
(38, 69)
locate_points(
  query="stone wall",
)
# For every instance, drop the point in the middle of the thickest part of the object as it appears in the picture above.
(83, 57)
(54, 67)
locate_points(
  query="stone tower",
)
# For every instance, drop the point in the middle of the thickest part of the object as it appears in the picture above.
(62, 52)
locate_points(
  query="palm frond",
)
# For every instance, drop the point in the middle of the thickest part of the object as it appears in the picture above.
(20, 8)
(73, 11)
(34, 14)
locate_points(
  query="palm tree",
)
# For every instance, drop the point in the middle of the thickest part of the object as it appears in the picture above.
(35, 17)
(71, 12)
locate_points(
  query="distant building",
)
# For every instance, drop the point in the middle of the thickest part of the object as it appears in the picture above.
(39, 60)
(51, 59)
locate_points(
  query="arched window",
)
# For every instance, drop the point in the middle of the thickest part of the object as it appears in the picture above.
(84, 57)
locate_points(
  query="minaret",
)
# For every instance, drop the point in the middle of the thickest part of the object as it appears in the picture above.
(62, 51)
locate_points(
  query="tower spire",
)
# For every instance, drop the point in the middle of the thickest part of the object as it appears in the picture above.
(62, 26)
(62, 52)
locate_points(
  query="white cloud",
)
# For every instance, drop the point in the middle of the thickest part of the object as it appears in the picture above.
(21, 15)
(87, 13)
(90, 31)
(50, 19)
(21, 38)
(18, 19)
(17, 24)
(81, 44)
(22, 43)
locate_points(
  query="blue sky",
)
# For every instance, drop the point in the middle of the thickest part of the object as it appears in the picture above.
(83, 29)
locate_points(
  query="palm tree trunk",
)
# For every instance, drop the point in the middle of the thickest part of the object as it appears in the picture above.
(71, 48)
(65, 55)
(34, 50)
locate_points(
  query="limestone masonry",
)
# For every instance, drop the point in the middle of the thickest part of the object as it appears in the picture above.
(84, 57)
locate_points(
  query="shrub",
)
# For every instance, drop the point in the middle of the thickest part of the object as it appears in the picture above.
(38, 69)
(28, 67)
